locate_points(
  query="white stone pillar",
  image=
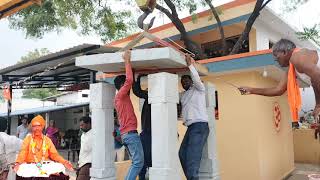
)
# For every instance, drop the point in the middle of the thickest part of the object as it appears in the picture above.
(209, 162)
(163, 97)
(101, 104)
(262, 36)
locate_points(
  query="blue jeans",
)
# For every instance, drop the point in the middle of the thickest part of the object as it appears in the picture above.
(133, 143)
(145, 137)
(190, 152)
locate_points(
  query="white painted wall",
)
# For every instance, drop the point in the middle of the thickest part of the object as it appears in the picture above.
(73, 98)
(264, 34)
(67, 99)
(272, 27)
(22, 103)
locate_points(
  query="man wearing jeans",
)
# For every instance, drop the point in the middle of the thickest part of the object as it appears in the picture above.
(127, 119)
(195, 117)
(145, 135)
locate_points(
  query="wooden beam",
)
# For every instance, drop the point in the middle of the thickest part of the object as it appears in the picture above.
(7, 7)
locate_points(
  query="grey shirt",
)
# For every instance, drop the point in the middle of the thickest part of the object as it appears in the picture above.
(22, 131)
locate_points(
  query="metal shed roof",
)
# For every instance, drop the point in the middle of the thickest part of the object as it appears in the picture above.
(44, 109)
(54, 70)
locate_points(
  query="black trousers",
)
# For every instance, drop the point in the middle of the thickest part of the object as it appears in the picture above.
(83, 173)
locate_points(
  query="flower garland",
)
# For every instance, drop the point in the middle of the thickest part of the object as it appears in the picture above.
(44, 148)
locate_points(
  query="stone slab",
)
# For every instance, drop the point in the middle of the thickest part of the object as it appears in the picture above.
(156, 58)
(141, 59)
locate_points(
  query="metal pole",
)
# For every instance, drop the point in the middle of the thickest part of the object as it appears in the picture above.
(92, 77)
(9, 111)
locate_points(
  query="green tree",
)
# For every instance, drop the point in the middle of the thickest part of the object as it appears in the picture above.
(34, 55)
(312, 33)
(307, 33)
(37, 93)
(105, 18)
(292, 5)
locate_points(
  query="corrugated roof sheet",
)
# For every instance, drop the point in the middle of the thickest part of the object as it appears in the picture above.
(44, 109)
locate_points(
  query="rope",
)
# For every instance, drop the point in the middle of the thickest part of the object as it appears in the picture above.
(191, 53)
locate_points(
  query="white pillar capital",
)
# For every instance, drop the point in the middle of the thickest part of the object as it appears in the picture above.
(102, 95)
(163, 87)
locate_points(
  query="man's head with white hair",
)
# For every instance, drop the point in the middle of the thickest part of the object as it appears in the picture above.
(282, 51)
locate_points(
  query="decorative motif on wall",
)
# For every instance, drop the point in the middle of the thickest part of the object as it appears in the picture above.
(277, 116)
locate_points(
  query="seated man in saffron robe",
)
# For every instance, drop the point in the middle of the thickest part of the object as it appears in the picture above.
(37, 149)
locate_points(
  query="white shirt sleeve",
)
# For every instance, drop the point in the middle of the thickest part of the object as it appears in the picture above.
(196, 79)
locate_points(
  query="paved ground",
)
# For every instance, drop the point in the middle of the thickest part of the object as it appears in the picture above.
(301, 173)
(64, 154)
(303, 170)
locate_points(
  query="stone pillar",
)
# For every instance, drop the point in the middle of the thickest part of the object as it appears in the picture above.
(101, 104)
(209, 162)
(163, 97)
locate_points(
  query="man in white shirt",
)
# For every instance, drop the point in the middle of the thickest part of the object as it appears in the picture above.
(85, 155)
(22, 130)
(194, 113)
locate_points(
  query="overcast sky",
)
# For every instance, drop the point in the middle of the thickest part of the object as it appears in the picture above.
(13, 44)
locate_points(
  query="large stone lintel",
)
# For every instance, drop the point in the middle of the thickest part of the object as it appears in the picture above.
(154, 59)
